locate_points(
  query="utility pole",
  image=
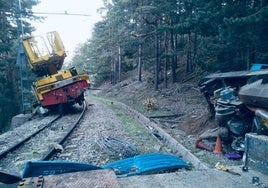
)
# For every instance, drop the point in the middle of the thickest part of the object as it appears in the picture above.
(20, 57)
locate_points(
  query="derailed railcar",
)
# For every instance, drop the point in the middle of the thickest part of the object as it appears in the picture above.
(54, 86)
(64, 87)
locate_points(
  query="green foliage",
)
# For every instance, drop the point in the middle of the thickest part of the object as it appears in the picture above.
(240, 38)
(203, 35)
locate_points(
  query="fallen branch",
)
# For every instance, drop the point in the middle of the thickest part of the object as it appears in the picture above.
(189, 78)
(167, 116)
(170, 121)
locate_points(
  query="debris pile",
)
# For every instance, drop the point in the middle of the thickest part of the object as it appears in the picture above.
(235, 104)
(239, 103)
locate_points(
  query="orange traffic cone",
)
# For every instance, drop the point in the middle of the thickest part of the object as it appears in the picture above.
(218, 146)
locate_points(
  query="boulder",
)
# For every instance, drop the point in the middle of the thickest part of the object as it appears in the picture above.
(19, 120)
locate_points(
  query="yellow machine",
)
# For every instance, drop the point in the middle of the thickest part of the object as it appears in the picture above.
(45, 57)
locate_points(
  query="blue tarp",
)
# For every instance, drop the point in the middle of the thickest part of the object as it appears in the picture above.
(137, 165)
(257, 66)
(146, 164)
(37, 168)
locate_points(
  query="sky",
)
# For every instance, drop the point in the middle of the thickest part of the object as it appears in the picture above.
(73, 30)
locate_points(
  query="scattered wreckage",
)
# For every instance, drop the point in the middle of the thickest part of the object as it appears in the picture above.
(239, 101)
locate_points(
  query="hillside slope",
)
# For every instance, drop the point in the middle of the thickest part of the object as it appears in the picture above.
(181, 110)
(182, 103)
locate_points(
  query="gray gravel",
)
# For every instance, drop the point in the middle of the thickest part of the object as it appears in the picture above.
(37, 146)
(101, 121)
(9, 138)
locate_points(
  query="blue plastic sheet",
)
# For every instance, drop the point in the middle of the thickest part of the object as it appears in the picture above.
(137, 165)
(146, 164)
(37, 168)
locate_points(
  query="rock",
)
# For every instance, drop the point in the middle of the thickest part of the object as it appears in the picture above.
(211, 134)
(58, 147)
(19, 120)
(65, 155)
(74, 146)
(157, 147)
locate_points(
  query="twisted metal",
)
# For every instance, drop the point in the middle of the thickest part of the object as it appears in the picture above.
(115, 146)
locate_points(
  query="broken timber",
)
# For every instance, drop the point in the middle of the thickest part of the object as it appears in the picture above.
(167, 116)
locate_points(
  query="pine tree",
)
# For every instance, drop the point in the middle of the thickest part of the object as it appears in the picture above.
(10, 31)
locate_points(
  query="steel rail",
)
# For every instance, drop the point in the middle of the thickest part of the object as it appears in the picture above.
(17, 145)
(53, 150)
(6, 177)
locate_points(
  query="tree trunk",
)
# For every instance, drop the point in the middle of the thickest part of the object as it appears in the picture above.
(189, 55)
(119, 64)
(156, 66)
(165, 71)
(112, 72)
(166, 59)
(195, 52)
(115, 70)
(174, 61)
(139, 64)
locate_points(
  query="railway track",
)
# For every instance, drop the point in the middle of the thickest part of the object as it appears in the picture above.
(102, 121)
(42, 143)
